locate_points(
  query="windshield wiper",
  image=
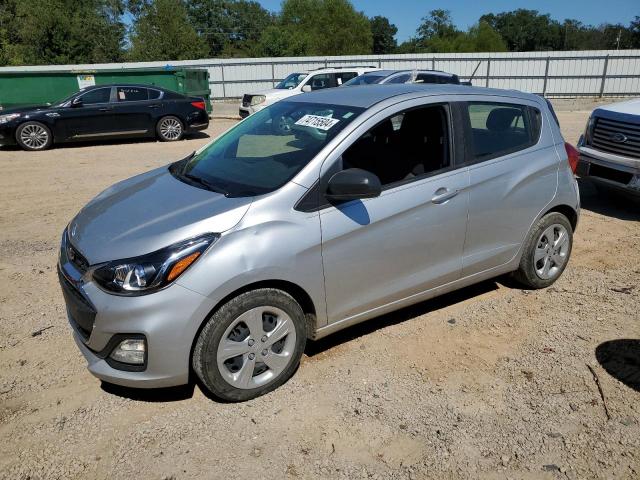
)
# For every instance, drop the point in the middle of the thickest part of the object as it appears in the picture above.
(207, 185)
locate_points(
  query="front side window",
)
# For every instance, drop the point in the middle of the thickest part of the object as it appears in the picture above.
(266, 150)
(99, 95)
(404, 147)
(322, 80)
(500, 128)
(132, 94)
(292, 81)
(404, 78)
(366, 79)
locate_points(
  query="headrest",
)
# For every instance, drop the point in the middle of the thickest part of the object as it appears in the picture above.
(500, 119)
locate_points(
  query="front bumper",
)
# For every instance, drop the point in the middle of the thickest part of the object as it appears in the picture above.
(7, 134)
(622, 177)
(169, 320)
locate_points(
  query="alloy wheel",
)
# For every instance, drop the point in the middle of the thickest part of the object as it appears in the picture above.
(34, 136)
(256, 347)
(170, 128)
(551, 251)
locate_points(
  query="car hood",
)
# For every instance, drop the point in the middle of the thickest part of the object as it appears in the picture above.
(149, 212)
(24, 109)
(630, 107)
(276, 93)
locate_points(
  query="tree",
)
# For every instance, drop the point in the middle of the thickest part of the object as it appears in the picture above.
(162, 31)
(384, 34)
(318, 27)
(437, 25)
(40, 32)
(231, 28)
(634, 29)
(526, 30)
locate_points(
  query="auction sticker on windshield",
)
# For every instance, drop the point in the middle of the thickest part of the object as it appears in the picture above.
(315, 121)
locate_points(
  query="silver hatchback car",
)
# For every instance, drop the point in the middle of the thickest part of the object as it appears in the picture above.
(316, 213)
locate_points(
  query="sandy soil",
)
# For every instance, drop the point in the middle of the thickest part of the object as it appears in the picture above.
(491, 381)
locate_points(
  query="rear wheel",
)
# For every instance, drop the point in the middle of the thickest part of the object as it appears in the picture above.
(251, 345)
(34, 136)
(170, 129)
(546, 252)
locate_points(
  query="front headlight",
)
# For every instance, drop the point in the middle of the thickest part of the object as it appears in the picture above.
(258, 99)
(154, 271)
(7, 118)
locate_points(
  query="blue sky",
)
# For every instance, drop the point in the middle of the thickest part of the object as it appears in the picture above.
(406, 14)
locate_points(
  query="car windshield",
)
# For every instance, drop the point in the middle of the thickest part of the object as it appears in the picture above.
(267, 149)
(292, 81)
(60, 103)
(366, 79)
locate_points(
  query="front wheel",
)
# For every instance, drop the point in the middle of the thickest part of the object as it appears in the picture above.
(546, 253)
(251, 345)
(170, 129)
(34, 136)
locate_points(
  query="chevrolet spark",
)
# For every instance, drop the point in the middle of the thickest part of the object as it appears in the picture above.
(314, 214)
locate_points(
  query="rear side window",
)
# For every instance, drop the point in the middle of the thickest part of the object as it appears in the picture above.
(322, 80)
(154, 94)
(132, 94)
(344, 77)
(499, 128)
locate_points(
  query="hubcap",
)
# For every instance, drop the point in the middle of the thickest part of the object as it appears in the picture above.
(551, 252)
(170, 128)
(256, 348)
(34, 136)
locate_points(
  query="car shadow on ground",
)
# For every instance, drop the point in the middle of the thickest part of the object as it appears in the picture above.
(621, 360)
(608, 202)
(117, 141)
(153, 395)
(399, 316)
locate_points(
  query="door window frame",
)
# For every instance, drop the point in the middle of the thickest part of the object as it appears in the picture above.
(89, 105)
(314, 200)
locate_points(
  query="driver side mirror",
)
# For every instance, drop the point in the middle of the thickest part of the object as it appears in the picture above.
(352, 184)
(306, 88)
(76, 102)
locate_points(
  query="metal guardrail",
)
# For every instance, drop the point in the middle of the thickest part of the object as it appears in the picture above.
(481, 80)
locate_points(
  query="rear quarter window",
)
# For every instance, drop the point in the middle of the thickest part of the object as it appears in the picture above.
(499, 129)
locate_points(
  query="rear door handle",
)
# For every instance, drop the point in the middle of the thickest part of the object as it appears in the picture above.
(443, 194)
(155, 105)
(105, 109)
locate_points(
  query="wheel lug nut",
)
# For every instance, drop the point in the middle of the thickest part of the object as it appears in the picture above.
(264, 353)
(252, 356)
(251, 342)
(264, 338)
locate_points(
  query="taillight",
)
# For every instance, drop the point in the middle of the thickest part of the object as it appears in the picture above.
(574, 156)
(199, 105)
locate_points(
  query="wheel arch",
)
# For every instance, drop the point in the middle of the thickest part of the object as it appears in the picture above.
(567, 211)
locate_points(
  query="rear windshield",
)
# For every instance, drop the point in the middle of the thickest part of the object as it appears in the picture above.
(267, 149)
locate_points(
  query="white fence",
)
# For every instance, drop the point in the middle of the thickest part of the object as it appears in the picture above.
(601, 73)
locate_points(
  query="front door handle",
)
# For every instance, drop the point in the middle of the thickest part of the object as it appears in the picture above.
(443, 194)
(155, 105)
(105, 109)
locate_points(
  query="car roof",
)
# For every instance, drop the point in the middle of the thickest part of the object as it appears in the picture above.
(346, 68)
(366, 96)
(108, 85)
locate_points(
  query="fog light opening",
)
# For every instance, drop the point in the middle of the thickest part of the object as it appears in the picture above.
(130, 351)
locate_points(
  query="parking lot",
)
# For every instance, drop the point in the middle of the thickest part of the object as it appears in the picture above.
(491, 381)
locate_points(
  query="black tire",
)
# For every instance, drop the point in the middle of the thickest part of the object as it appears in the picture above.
(35, 145)
(526, 274)
(204, 359)
(168, 135)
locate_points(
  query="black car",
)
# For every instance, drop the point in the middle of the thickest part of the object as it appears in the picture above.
(105, 111)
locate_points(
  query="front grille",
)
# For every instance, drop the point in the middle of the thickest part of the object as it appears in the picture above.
(246, 100)
(610, 174)
(81, 312)
(613, 136)
(77, 258)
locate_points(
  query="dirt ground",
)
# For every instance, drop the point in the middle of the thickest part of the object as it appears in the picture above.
(489, 382)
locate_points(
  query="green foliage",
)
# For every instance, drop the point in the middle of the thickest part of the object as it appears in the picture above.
(318, 27)
(384, 34)
(162, 32)
(37, 32)
(231, 28)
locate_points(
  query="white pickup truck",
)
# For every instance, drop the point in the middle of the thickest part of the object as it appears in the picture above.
(610, 147)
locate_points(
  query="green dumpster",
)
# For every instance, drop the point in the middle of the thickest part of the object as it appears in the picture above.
(40, 87)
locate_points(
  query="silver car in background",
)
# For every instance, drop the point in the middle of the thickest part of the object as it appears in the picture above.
(316, 213)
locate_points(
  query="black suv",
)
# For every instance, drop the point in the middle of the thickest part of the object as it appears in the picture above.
(105, 111)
